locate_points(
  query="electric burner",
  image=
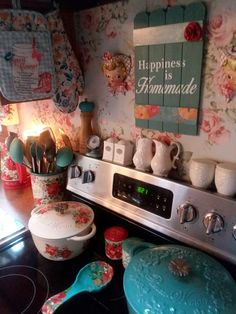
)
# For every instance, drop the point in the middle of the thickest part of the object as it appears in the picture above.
(28, 282)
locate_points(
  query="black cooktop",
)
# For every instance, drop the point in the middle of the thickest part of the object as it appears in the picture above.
(27, 279)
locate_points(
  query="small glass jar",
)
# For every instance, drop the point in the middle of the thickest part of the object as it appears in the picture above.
(114, 236)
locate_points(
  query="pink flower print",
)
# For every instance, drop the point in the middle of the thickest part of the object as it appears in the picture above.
(219, 136)
(221, 28)
(43, 210)
(211, 121)
(5, 177)
(58, 297)
(135, 132)
(53, 188)
(129, 84)
(38, 201)
(81, 219)
(225, 80)
(88, 21)
(46, 309)
(51, 250)
(10, 165)
(111, 28)
(65, 253)
(213, 126)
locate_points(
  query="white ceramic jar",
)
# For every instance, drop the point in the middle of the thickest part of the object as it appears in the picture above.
(225, 178)
(202, 172)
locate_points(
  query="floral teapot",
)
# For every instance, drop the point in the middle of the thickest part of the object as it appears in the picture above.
(162, 162)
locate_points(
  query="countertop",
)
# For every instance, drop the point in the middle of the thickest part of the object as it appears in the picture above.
(17, 203)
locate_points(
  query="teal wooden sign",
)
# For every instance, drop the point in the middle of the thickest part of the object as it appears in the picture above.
(168, 64)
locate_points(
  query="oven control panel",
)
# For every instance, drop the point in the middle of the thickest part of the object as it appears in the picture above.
(197, 217)
(144, 195)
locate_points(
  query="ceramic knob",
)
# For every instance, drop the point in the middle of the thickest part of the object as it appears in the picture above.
(186, 213)
(213, 223)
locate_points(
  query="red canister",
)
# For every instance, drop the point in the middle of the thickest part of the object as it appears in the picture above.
(113, 241)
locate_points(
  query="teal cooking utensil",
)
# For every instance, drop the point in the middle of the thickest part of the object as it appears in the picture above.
(64, 157)
(16, 151)
(91, 278)
(9, 139)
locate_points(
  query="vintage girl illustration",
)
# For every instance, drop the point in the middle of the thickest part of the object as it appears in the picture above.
(116, 69)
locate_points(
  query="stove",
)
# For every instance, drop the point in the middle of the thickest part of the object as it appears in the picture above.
(155, 209)
(195, 217)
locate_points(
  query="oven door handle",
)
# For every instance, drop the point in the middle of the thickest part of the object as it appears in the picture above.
(85, 237)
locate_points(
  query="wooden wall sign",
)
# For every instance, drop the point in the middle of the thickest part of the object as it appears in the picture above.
(168, 63)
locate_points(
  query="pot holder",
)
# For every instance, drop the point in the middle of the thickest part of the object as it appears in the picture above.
(27, 68)
(69, 78)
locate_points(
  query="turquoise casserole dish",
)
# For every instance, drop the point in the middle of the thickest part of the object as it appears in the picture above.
(178, 280)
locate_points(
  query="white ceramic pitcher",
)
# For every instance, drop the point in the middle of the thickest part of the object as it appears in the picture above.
(143, 155)
(162, 162)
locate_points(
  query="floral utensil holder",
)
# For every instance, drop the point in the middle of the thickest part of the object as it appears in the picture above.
(48, 188)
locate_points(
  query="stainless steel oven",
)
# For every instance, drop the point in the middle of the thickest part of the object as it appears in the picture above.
(198, 218)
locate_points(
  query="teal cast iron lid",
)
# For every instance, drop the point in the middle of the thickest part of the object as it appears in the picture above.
(178, 280)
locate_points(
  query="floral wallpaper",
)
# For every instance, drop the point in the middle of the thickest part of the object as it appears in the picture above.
(109, 28)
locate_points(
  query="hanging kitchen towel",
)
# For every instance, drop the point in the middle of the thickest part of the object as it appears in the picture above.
(69, 78)
(27, 67)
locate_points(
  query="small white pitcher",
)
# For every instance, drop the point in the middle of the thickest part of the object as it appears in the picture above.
(162, 162)
(143, 155)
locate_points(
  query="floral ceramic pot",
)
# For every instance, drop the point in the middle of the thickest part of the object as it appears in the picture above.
(62, 230)
(178, 279)
(48, 188)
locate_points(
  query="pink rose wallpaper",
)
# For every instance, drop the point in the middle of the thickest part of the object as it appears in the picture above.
(110, 28)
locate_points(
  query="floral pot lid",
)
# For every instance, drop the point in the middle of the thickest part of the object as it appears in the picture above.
(178, 279)
(115, 234)
(58, 220)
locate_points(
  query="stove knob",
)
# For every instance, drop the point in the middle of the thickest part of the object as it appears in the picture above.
(88, 176)
(75, 172)
(186, 212)
(213, 223)
(234, 232)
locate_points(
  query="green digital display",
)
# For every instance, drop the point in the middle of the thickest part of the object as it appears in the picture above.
(142, 190)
